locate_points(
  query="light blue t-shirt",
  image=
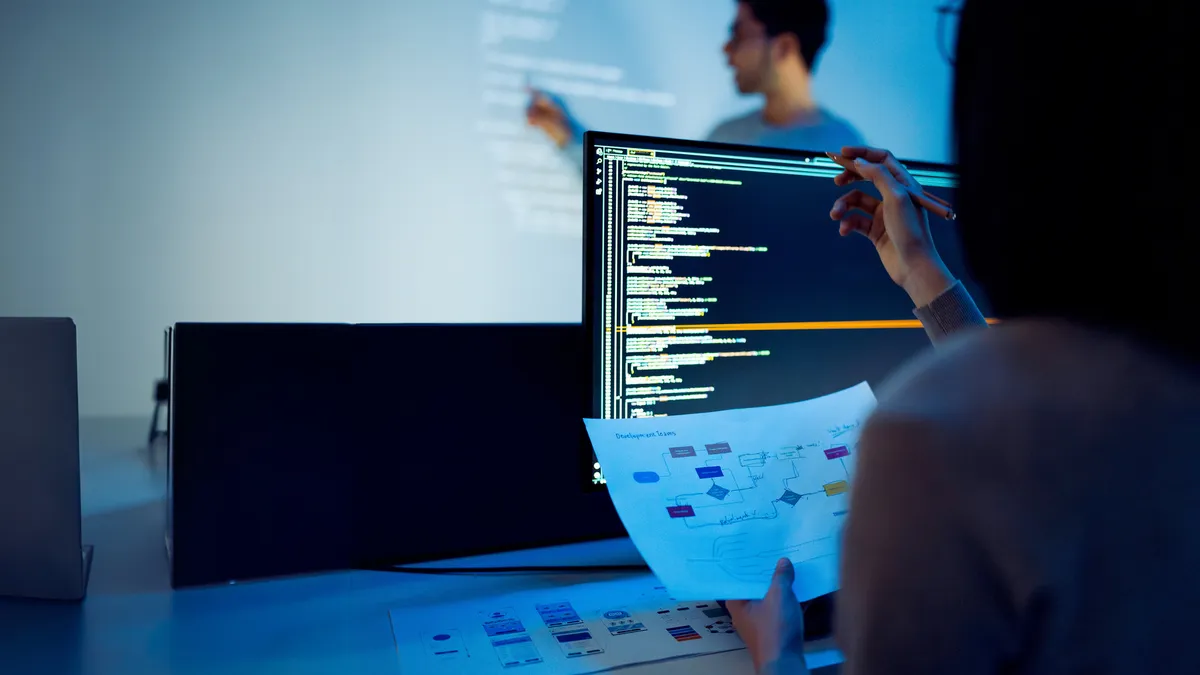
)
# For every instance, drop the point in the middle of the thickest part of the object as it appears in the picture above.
(823, 132)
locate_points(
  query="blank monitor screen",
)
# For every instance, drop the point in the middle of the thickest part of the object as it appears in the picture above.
(715, 279)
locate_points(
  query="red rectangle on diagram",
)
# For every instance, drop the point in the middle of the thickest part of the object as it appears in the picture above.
(834, 453)
(685, 511)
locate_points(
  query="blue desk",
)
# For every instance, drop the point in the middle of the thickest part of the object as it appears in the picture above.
(133, 624)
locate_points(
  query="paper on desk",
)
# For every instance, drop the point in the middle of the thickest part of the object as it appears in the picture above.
(713, 500)
(574, 630)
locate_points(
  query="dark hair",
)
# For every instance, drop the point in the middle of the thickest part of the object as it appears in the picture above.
(1068, 127)
(808, 20)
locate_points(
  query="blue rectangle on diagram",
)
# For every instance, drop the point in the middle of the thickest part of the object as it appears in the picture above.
(709, 471)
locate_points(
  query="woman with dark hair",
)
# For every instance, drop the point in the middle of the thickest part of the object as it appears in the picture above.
(1025, 499)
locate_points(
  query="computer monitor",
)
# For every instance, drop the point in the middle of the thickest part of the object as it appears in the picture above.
(715, 279)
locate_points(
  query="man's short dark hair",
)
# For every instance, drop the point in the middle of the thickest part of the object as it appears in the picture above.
(808, 20)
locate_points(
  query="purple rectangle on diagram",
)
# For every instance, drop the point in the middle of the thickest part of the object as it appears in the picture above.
(834, 453)
(684, 511)
(685, 451)
(708, 471)
(717, 448)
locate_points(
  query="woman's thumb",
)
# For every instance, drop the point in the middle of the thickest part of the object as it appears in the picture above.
(785, 574)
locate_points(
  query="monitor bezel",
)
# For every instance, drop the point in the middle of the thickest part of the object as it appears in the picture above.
(590, 296)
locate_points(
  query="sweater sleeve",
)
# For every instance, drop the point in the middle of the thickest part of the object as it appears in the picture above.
(951, 312)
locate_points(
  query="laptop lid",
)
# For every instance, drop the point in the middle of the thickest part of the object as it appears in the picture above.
(40, 521)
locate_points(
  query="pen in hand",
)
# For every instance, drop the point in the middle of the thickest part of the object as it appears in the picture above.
(931, 202)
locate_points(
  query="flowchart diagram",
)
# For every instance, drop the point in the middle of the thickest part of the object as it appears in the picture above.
(718, 488)
(714, 500)
(748, 486)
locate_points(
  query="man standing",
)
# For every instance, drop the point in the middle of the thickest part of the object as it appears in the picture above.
(772, 49)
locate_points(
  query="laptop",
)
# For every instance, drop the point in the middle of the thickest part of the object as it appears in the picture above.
(41, 551)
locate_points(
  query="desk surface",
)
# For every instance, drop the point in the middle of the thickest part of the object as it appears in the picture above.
(133, 623)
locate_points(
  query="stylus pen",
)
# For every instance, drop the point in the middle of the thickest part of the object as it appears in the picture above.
(932, 203)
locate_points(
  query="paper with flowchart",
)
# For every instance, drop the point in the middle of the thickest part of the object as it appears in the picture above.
(713, 500)
(576, 630)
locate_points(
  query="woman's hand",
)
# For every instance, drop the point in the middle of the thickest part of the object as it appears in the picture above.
(772, 628)
(895, 224)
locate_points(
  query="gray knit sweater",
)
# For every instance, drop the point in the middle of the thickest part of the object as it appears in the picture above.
(1025, 502)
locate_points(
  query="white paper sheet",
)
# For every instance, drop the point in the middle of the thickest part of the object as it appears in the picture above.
(714, 500)
(587, 628)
